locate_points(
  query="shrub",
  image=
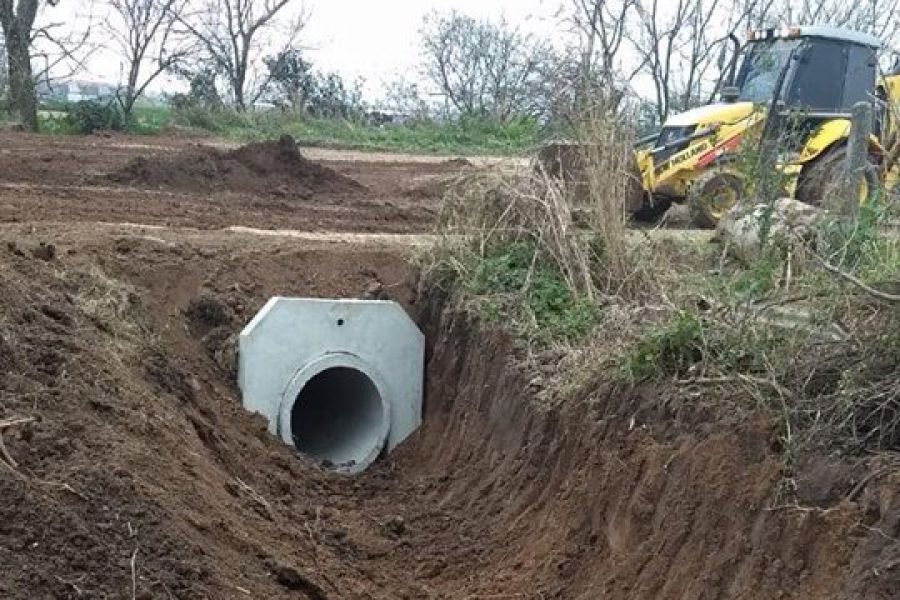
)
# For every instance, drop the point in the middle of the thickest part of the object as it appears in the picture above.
(90, 116)
(673, 348)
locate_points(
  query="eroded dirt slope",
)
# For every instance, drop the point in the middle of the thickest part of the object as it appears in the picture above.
(139, 442)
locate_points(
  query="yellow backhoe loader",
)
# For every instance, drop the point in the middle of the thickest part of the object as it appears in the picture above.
(794, 87)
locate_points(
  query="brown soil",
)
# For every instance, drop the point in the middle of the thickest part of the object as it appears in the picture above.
(265, 168)
(120, 345)
(77, 179)
(142, 477)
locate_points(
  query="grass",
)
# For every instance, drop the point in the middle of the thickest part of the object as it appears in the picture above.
(509, 244)
(514, 285)
(861, 246)
(802, 342)
(456, 137)
(693, 344)
(466, 136)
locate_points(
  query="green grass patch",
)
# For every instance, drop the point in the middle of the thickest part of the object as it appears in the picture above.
(687, 344)
(861, 246)
(455, 137)
(149, 120)
(514, 285)
(81, 118)
(56, 123)
(465, 136)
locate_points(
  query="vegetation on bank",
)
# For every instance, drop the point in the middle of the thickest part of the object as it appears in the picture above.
(806, 331)
(469, 135)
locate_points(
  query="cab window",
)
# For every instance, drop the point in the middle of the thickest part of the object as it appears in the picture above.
(861, 66)
(818, 81)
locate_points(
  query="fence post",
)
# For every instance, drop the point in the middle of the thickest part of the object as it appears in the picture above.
(857, 154)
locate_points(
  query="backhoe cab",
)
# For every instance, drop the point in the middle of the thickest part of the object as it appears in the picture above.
(794, 89)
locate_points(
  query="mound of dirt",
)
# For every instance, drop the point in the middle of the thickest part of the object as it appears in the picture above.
(265, 168)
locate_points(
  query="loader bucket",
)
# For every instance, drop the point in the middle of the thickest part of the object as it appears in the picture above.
(569, 161)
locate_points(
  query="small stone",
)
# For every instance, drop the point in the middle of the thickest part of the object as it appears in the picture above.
(45, 252)
(375, 291)
(396, 526)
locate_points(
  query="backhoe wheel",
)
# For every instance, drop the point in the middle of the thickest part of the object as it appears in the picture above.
(821, 182)
(712, 195)
(651, 210)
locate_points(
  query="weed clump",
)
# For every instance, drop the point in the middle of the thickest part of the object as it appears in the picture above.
(543, 252)
(90, 116)
(810, 335)
(509, 248)
(516, 283)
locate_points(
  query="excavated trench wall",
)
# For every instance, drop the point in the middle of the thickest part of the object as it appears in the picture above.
(146, 446)
(603, 497)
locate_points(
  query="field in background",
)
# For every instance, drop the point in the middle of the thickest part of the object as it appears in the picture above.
(464, 136)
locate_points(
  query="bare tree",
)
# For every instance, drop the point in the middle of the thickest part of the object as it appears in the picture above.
(4, 76)
(17, 20)
(60, 47)
(880, 18)
(671, 47)
(143, 32)
(482, 68)
(591, 74)
(677, 48)
(51, 46)
(235, 34)
(602, 26)
(405, 98)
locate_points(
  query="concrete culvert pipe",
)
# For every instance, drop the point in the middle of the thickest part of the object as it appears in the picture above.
(340, 419)
(339, 380)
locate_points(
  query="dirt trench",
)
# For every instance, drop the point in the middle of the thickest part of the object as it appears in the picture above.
(142, 477)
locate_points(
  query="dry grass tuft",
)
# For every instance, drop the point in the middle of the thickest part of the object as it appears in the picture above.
(573, 206)
(112, 305)
(613, 183)
(496, 209)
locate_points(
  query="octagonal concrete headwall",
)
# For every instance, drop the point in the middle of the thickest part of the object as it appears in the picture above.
(340, 380)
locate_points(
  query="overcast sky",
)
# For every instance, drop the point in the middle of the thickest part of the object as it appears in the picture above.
(379, 40)
(376, 40)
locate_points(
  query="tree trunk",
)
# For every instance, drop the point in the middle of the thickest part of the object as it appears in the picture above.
(238, 81)
(22, 93)
(127, 102)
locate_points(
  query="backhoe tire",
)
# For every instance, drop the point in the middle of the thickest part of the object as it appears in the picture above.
(712, 195)
(821, 182)
(651, 211)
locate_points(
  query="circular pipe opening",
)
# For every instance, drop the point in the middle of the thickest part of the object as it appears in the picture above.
(340, 419)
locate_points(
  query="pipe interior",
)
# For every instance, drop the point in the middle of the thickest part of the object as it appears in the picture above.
(337, 418)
